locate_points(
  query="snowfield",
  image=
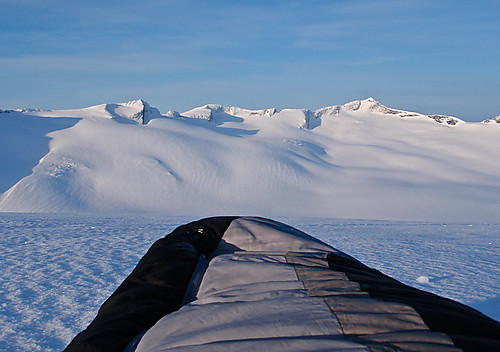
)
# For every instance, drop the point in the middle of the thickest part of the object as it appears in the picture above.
(58, 269)
(358, 160)
(85, 192)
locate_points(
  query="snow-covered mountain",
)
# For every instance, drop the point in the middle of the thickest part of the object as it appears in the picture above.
(358, 160)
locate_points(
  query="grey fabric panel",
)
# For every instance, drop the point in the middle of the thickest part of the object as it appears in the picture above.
(382, 326)
(247, 276)
(258, 234)
(250, 301)
(318, 280)
(320, 343)
(370, 321)
(284, 320)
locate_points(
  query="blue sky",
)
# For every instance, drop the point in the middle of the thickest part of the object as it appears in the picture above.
(426, 56)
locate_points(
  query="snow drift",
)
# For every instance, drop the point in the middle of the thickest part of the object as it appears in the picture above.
(358, 160)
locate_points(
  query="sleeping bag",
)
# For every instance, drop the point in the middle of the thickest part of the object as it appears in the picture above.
(250, 284)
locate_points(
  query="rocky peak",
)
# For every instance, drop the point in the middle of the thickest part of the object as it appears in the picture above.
(445, 119)
(137, 110)
(493, 120)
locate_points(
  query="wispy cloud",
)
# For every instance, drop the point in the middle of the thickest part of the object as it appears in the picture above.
(376, 60)
(127, 63)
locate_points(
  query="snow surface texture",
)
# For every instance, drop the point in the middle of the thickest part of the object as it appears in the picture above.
(59, 269)
(358, 160)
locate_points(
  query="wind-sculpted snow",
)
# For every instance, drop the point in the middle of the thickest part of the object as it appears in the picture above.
(357, 160)
(25, 141)
(58, 269)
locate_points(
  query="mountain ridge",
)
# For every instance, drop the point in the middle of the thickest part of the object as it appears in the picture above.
(140, 111)
(206, 112)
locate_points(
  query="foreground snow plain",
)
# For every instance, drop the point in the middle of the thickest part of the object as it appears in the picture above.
(58, 269)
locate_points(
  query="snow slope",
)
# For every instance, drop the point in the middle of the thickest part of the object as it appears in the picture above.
(358, 160)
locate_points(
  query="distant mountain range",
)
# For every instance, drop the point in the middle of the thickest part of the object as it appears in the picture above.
(357, 160)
